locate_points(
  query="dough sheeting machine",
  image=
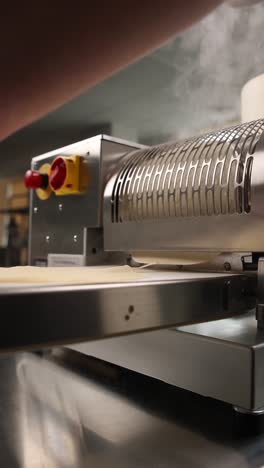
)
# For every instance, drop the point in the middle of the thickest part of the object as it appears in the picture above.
(182, 225)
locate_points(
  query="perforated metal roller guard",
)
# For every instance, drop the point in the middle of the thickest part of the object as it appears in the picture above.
(205, 194)
(204, 176)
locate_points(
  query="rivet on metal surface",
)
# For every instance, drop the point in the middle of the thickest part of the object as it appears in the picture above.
(35, 209)
(75, 238)
(60, 206)
(47, 239)
(227, 266)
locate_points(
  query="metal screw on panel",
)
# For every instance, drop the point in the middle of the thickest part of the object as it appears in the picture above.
(47, 239)
(75, 238)
(35, 209)
(60, 206)
(227, 266)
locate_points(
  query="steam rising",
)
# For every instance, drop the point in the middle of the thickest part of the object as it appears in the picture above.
(214, 59)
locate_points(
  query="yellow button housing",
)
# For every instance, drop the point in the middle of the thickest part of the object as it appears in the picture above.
(44, 193)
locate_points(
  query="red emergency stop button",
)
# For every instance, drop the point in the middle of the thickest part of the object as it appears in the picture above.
(36, 180)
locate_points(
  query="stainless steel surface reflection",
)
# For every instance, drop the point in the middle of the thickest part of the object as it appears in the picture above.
(79, 412)
(95, 311)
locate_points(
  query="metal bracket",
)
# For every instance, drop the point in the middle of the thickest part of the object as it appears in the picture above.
(260, 294)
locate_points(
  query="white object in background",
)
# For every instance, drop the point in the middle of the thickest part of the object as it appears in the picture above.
(252, 99)
(241, 3)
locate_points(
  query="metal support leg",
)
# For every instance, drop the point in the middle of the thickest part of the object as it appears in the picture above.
(260, 298)
(256, 412)
(248, 423)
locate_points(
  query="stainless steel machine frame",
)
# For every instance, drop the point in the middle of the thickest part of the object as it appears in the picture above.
(66, 226)
(203, 195)
(221, 359)
(40, 316)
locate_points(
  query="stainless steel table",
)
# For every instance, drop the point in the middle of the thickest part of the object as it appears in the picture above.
(67, 410)
(43, 315)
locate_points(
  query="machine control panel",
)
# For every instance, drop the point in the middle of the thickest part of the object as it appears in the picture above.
(66, 194)
(66, 175)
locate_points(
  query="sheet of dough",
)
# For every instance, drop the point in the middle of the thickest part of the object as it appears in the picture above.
(173, 258)
(67, 275)
(89, 275)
